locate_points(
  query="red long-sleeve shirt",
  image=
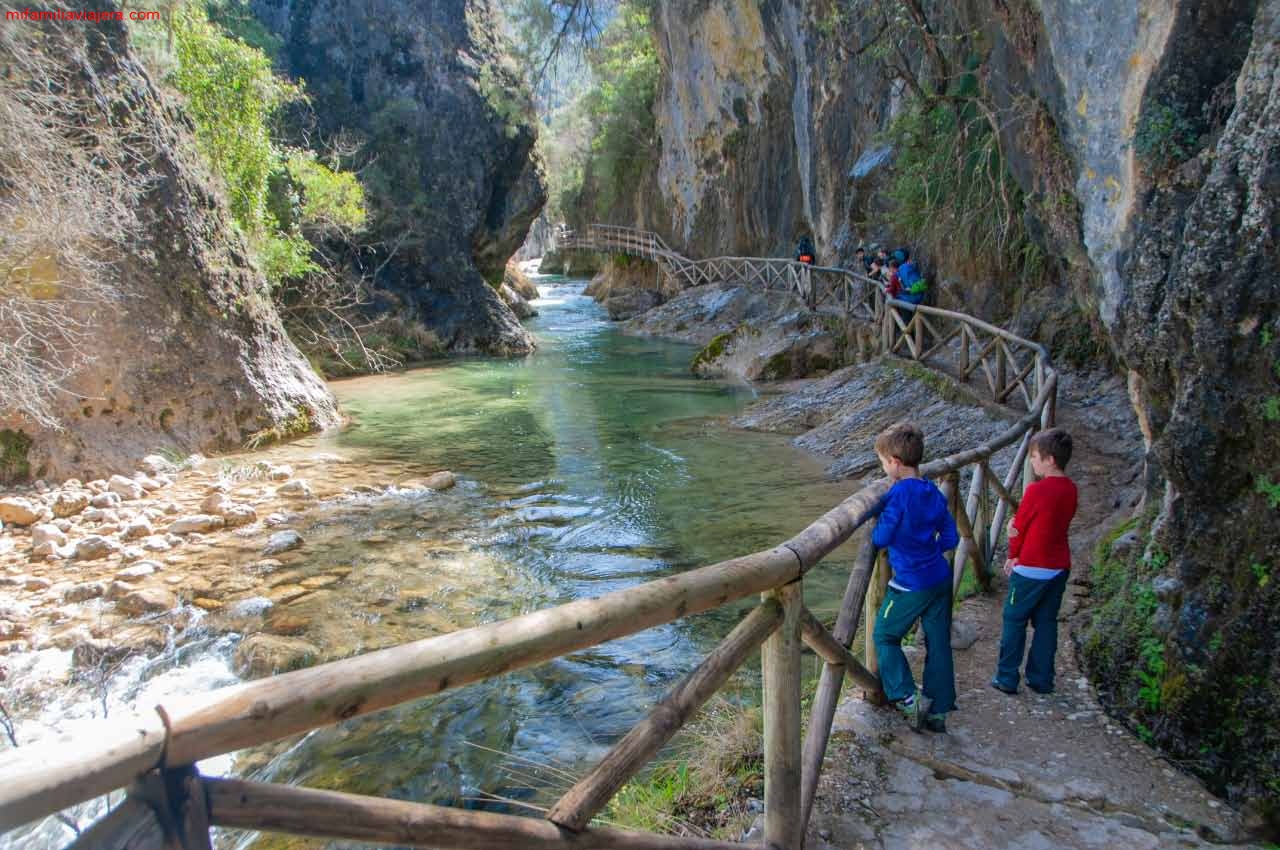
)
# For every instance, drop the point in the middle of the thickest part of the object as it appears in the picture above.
(1042, 520)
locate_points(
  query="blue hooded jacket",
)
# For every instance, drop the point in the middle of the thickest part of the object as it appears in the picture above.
(916, 527)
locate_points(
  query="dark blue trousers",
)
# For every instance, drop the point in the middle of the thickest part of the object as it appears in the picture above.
(1034, 601)
(901, 608)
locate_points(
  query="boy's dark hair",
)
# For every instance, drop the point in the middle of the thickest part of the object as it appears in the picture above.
(1054, 443)
(893, 263)
(903, 440)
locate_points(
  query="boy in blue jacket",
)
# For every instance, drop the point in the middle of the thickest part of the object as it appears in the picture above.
(916, 527)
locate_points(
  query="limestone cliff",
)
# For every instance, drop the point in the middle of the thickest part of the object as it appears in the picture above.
(443, 128)
(1142, 139)
(190, 356)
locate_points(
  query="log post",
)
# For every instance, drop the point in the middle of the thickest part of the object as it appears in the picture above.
(875, 595)
(973, 517)
(1002, 370)
(964, 351)
(781, 680)
(132, 825)
(918, 319)
(372, 820)
(828, 694)
(586, 799)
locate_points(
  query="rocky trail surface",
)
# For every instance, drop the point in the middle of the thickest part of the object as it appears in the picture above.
(1024, 772)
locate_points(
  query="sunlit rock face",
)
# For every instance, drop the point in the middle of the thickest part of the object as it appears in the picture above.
(1144, 137)
(192, 355)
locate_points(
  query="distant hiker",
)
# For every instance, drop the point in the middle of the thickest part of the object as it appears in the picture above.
(861, 261)
(916, 527)
(805, 252)
(893, 280)
(1037, 567)
(913, 284)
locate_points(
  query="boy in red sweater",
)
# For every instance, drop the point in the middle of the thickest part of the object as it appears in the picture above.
(1039, 559)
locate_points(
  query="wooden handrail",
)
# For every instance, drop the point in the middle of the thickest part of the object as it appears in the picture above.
(34, 783)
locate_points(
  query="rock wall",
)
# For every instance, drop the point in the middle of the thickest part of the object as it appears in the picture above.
(427, 91)
(192, 357)
(1145, 143)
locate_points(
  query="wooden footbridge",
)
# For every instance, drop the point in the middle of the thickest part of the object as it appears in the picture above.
(170, 805)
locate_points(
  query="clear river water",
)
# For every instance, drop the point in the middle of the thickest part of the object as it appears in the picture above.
(595, 464)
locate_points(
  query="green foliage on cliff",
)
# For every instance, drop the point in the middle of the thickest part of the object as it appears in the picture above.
(230, 93)
(598, 131)
(1166, 136)
(952, 190)
(621, 105)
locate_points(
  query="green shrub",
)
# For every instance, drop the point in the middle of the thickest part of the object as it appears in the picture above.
(1165, 137)
(230, 94)
(14, 466)
(952, 191)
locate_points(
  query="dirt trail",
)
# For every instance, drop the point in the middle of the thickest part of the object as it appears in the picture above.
(1029, 772)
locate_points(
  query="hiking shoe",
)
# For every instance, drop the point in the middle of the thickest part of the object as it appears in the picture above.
(913, 710)
(999, 687)
(1041, 691)
(936, 723)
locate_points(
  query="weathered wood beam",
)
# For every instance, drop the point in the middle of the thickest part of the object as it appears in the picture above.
(132, 825)
(589, 796)
(39, 781)
(333, 814)
(827, 696)
(817, 638)
(256, 712)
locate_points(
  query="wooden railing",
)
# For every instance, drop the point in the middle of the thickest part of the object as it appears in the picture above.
(169, 804)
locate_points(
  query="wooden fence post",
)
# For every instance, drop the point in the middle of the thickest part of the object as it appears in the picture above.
(780, 659)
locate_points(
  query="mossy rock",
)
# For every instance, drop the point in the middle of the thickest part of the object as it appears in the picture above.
(712, 351)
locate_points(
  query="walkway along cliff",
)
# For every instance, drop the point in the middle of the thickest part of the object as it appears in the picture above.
(156, 752)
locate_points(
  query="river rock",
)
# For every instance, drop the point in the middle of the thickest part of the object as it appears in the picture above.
(296, 489)
(10, 630)
(126, 488)
(84, 591)
(264, 654)
(215, 503)
(282, 541)
(197, 524)
(328, 457)
(34, 583)
(155, 543)
(443, 480)
(964, 634)
(277, 518)
(105, 500)
(285, 622)
(138, 571)
(138, 529)
(237, 515)
(97, 652)
(100, 515)
(97, 485)
(157, 465)
(94, 547)
(151, 485)
(49, 550)
(282, 472)
(68, 503)
(48, 533)
(147, 600)
(15, 510)
(63, 525)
